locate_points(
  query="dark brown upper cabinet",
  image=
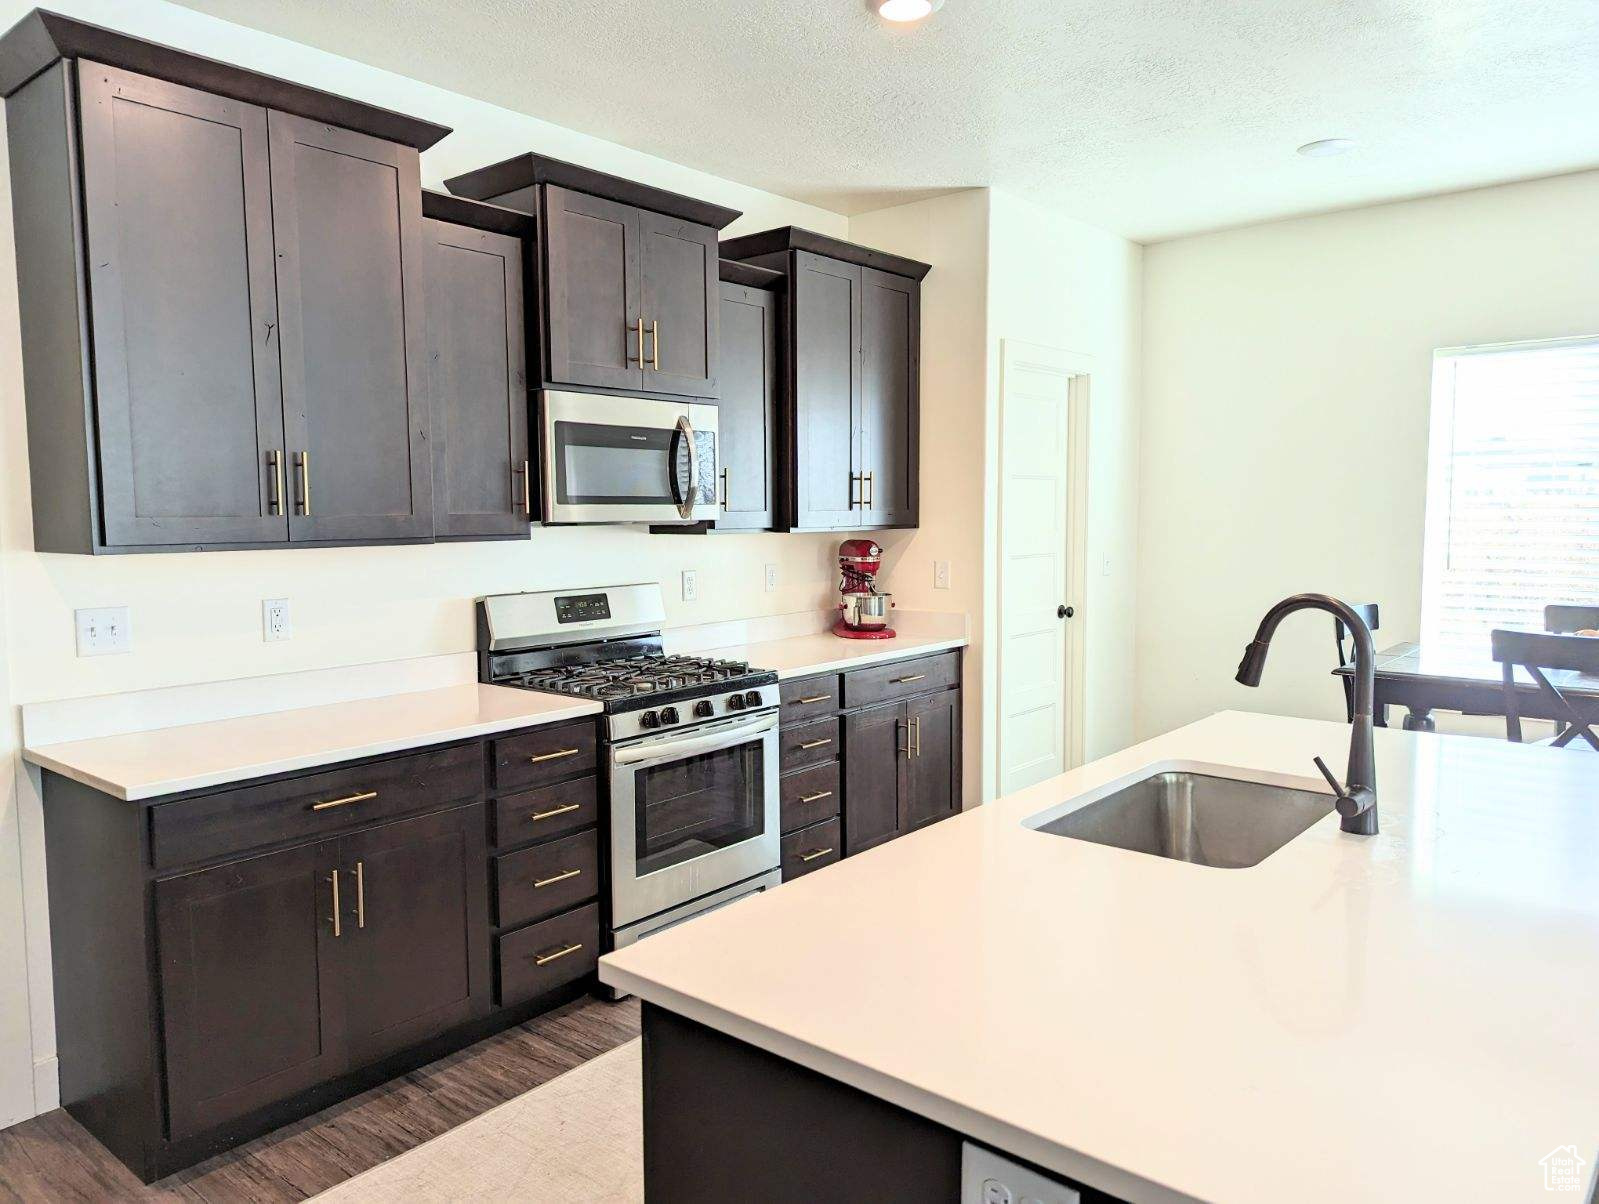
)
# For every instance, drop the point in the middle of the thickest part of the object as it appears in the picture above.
(476, 352)
(751, 327)
(629, 296)
(220, 282)
(850, 421)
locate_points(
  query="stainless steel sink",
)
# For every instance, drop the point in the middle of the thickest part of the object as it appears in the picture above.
(1197, 818)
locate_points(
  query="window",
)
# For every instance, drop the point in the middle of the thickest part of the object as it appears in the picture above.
(1512, 490)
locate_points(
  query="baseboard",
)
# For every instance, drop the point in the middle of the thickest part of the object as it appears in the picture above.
(46, 1085)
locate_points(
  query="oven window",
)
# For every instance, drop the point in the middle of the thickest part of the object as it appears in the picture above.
(598, 463)
(696, 806)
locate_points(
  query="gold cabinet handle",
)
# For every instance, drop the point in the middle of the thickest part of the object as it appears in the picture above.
(655, 347)
(554, 811)
(338, 929)
(816, 798)
(906, 750)
(275, 487)
(640, 329)
(814, 698)
(545, 959)
(345, 801)
(554, 756)
(869, 490)
(815, 853)
(561, 877)
(899, 681)
(360, 895)
(527, 489)
(916, 736)
(302, 467)
(854, 477)
(810, 744)
(725, 492)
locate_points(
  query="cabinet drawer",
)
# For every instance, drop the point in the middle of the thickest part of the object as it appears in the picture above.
(901, 679)
(541, 957)
(809, 697)
(809, 796)
(546, 812)
(233, 821)
(810, 849)
(808, 744)
(544, 755)
(547, 878)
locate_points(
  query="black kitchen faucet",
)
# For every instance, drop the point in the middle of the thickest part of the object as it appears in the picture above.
(1357, 800)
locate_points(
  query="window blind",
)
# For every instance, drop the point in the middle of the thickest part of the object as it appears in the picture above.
(1513, 490)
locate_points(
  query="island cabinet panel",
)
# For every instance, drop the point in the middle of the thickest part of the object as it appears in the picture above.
(593, 317)
(416, 922)
(178, 219)
(679, 270)
(747, 419)
(347, 211)
(476, 352)
(251, 991)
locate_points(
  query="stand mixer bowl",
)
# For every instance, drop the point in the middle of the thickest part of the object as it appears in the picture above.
(866, 612)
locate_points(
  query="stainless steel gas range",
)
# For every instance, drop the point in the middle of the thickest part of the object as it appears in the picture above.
(690, 746)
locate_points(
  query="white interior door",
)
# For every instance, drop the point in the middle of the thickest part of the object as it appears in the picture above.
(1034, 540)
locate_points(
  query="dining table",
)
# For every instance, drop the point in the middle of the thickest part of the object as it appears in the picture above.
(1423, 680)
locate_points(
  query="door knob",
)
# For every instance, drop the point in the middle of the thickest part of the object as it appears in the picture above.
(1064, 612)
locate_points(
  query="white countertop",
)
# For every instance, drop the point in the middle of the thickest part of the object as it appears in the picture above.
(1408, 1016)
(824, 652)
(194, 756)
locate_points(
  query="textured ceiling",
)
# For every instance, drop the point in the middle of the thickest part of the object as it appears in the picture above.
(1148, 117)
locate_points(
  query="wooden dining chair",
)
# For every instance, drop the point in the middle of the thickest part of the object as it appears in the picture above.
(1346, 655)
(1564, 620)
(1539, 653)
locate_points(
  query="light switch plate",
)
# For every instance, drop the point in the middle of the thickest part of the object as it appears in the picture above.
(940, 574)
(691, 585)
(771, 577)
(275, 623)
(103, 630)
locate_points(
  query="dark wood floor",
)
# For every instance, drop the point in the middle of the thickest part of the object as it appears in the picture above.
(52, 1158)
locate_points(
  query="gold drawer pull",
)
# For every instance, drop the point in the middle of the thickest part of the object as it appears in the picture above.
(810, 744)
(812, 856)
(814, 698)
(345, 801)
(546, 958)
(554, 756)
(816, 798)
(899, 681)
(561, 877)
(554, 811)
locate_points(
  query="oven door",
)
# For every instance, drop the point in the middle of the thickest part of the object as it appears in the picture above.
(691, 812)
(627, 459)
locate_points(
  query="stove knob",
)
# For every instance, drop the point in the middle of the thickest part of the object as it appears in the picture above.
(752, 698)
(703, 709)
(735, 702)
(649, 719)
(668, 715)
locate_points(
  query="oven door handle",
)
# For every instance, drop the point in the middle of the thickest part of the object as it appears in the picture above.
(689, 746)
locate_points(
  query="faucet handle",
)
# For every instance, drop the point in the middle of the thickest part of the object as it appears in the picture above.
(1337, 786)
(1352, 800)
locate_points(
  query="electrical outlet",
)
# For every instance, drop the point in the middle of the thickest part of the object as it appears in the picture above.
(771, 577)
(275, 623)
(990, 1178)
(691, 585)
(940, 574)
(103, 630)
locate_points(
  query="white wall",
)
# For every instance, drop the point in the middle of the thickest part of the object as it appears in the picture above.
(1286, 394)
(1064, 284)
(197, 617)
(950, 232)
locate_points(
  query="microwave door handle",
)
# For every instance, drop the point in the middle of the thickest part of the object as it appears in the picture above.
(676, 749)
(684, 435)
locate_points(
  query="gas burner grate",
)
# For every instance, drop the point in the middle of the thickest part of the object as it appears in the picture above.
(635, 676)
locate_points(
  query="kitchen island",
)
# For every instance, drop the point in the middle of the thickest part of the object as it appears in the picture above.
(1407, 1016)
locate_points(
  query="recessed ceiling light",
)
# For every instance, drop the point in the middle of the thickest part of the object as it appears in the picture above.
(1325, 148)
(904, 10)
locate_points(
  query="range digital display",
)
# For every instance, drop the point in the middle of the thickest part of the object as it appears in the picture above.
(582, 608)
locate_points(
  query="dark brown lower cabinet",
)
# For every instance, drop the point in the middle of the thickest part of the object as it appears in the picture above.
(902, 768)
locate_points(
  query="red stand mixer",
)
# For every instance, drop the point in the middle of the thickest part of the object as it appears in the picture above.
(865, 611)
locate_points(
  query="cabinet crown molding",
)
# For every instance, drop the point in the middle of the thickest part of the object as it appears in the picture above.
(42, 38)
(794, 238)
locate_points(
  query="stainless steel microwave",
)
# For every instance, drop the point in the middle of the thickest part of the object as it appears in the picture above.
(627, 459)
